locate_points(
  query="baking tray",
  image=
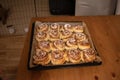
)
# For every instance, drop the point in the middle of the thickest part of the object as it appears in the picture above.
(32, 66)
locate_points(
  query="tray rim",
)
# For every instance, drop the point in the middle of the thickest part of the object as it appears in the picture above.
(39, 67)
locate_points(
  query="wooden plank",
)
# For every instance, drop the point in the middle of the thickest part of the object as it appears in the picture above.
(10, 51)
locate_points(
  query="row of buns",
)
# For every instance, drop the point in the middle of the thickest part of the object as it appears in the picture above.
(59, 57)
(60, 27)
(68, 44)
(46, 32)
(52, 36)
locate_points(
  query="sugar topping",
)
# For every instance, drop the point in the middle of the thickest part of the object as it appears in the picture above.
(67, 26)
(40, 34)
(54, 26)
(44, 43)
(72, 40)
(41, 54)
(89, 51)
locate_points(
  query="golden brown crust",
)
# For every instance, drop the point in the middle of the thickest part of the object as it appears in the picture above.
(54, 35)
(71, 43)
(41, 57)
(57, 57)
(59, 44)
(67, 27)
(44, 45)
(88, 55)
(54, 26)
(53, 47)
(78, 28)
(41, 36)
(42, 27)
(80, 36)
(65, 34)
(84, 44)
(74, 55)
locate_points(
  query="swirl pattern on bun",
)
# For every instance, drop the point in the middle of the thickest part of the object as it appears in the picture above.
(41, 57)
(74, 55)
(41, 36)
(80, 36)
(44, 45)
(42, 27)
(57, 45)
(54, 26)
(67, 27)
(54, 35)
(88, 55)
(78, 28)
(71, 43)
(65, 34)
(57, 57)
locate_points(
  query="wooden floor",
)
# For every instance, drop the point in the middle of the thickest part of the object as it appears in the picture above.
(10, 52)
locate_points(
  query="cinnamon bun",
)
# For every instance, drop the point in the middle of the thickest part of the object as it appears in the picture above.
(65, 34)
(67, 27)
(41, 36)
(42, 27)
(71, 43)
(74, 55)
(57, 45)
(88, 55)
(84, 44)
(44, 45)
(57, 57)
(54, 26)
(54, 35)
(78, 28)
(41, 57)
(80, 36)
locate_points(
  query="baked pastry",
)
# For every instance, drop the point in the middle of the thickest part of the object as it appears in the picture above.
(57, 57)
(74, 55)
(71, 43)
(42, 27)
(88, 55)
(61, 43)
(78, 28)
(80, 36)
(54, 35)
(44, 45)
(41, 36)
(54, 26)
(65, 34)
(41, 57)
(84, 44)
(67, 27)
(57, 45)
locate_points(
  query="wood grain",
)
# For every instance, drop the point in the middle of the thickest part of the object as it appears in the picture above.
(10, 51)
(105, 34)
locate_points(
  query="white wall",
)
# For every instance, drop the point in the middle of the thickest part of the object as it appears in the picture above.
(94, 7)
(118, 8)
